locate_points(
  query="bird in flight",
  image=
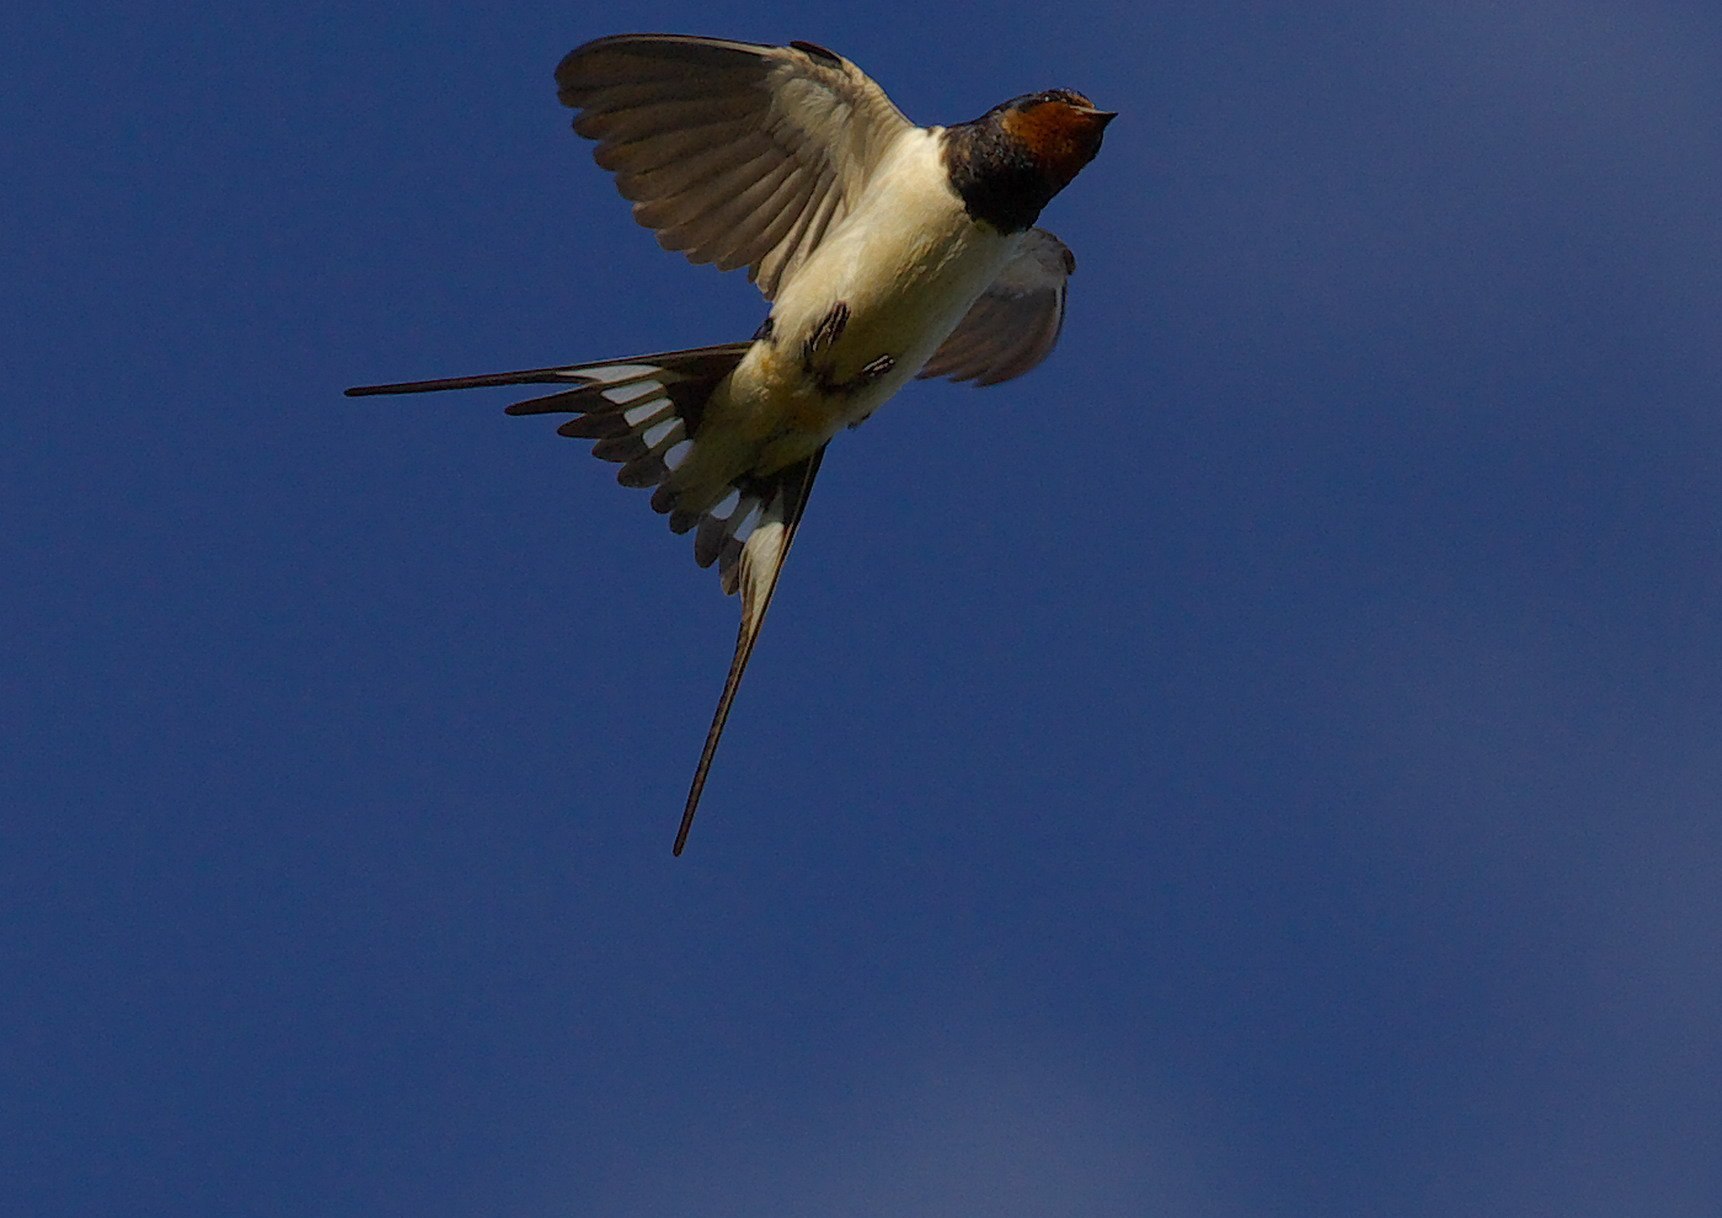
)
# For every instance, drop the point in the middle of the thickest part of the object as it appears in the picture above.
(887, 251)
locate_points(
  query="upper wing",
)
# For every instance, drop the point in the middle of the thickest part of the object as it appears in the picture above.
(733, 152)
(1015, 323)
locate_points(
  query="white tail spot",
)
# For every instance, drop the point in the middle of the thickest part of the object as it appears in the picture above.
(744, 525)
(678, 452)
(623, 394)
(609, 374)
(660, 431)
(635, 416)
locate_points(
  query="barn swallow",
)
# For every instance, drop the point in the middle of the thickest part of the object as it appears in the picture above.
(886, 251)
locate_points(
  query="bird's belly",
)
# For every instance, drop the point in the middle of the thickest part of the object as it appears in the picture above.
(872, 305)
(863, 314)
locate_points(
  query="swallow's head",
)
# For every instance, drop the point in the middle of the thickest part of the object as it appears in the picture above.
(1007, 164)
(1059, 129)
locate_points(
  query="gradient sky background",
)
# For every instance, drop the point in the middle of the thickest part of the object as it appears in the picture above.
(1266, 762)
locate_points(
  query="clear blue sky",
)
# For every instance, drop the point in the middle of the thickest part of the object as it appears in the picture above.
(1266, 762)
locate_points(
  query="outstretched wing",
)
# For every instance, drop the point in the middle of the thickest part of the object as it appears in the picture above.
(1015, 323)
(758, 563)
(732, 152)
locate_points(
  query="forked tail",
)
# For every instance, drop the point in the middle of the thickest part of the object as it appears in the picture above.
(645, 413)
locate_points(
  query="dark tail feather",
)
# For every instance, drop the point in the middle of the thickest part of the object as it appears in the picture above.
(530, 376)
(758, 563)
(639, 410)
(606, 372)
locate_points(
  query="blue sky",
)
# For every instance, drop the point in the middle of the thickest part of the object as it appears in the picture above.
(1265, 762)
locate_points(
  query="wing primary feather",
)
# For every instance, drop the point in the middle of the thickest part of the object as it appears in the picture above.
(675, 116)
(752, 618)
(1015, 323)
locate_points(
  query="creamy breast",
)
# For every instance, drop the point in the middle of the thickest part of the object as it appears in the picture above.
(905, 266)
